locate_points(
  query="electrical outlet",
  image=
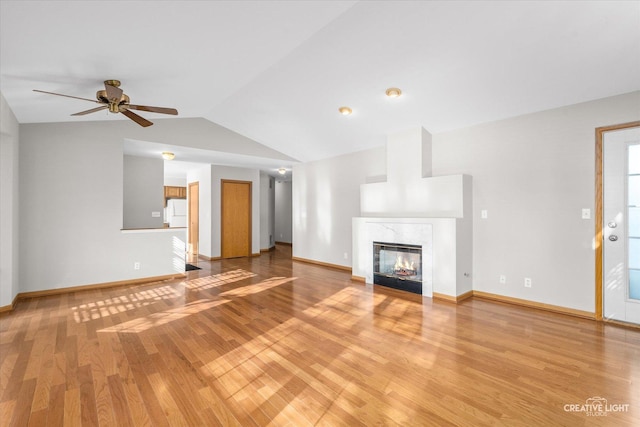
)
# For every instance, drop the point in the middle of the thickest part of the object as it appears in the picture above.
(527, 282)
(346, 255)
(136, 265)
(503, 279)
(586, 213)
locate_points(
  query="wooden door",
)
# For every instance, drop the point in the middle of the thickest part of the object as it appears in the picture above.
(236, 218)
(194, 215)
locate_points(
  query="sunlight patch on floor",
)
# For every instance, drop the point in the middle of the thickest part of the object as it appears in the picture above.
(163, 317)
(111, 306)
(166, 316)
(343, 301)
(258, 287)
(216, 280)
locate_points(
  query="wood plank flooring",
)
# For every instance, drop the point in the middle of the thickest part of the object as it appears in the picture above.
(269, 341)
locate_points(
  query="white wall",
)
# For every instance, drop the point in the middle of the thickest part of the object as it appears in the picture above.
(174, 181)
(71, 204)
(533, 174)
(326, 195)
(9, 215)
(267, 211)
(143, 187)
(71, 200)
(283, 212)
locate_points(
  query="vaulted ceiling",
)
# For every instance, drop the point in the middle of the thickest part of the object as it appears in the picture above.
(277, 71)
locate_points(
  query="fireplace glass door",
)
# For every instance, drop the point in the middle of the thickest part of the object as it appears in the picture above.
(398, 266)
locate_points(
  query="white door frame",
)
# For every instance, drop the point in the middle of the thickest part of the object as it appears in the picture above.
(598, 239)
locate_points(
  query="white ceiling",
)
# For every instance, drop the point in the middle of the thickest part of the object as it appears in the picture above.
(277, 71)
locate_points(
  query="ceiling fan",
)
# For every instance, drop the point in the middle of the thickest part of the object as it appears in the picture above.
(116, 101)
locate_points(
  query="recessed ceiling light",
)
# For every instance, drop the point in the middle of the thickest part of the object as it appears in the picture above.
(282, 171)
(393, 92)
(168, 155)
(345, 111)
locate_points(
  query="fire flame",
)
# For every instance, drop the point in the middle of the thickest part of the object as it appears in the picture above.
(403, 264)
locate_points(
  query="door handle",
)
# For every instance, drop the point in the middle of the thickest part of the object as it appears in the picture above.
(613, 237)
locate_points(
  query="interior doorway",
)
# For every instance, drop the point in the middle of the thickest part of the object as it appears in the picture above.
(618, 223)
(236, 218)
(193, 220)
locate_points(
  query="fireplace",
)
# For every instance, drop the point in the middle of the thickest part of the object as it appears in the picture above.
(398, 266)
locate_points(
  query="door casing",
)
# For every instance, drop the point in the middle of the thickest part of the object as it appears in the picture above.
(598, 243)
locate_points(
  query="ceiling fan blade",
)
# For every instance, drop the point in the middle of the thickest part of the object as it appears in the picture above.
(162, 110)
(68, 96)
(113, 93)
(136, 118)
(93, 110)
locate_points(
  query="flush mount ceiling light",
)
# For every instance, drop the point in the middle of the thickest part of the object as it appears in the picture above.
(282, 171)
(393, 92)
(168, 155)
(345, 111)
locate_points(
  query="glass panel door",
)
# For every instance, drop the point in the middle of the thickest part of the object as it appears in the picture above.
(633, 217)
(621, 227)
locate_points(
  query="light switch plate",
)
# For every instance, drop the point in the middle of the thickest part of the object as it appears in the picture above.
(586, 213)
(484, 214)
(155, 214)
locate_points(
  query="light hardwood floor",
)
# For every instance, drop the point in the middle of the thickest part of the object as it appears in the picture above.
(268, 341)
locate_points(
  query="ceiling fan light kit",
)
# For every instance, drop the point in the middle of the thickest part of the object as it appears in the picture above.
(116, 101)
